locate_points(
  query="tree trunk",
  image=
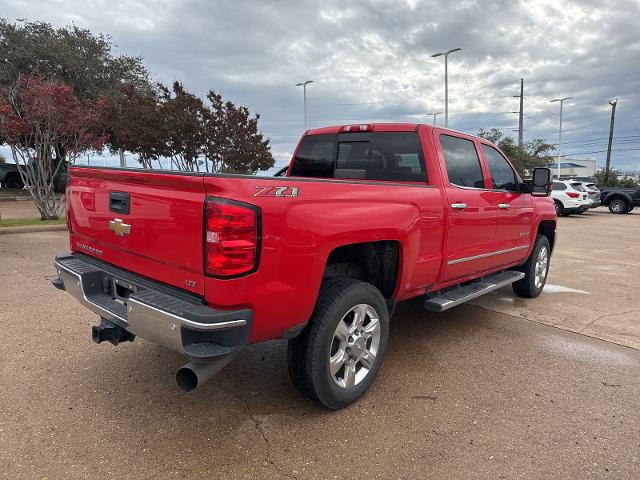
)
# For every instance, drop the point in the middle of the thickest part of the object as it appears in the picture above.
(123, 160)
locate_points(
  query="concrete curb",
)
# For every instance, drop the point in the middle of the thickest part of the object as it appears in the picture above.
(33, 229)
(15, 199)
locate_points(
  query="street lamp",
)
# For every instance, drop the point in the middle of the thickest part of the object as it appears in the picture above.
(435, 114)
(561, 100)
(446, 82)
(304, 89)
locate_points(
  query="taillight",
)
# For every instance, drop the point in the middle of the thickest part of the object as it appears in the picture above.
(573, 194)
(231, 238)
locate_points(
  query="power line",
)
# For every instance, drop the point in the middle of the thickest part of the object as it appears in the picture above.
(602, 138)
(603, 151)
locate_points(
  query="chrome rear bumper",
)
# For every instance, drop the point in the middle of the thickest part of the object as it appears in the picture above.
(158, 313)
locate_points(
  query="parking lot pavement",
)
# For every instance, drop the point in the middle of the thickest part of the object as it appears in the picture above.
(594, 281)
(471, 393)
(23, 208)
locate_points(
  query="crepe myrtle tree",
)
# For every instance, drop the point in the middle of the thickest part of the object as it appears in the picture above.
(233, 143)
(43, 121)
(136, 123)
(183, 116)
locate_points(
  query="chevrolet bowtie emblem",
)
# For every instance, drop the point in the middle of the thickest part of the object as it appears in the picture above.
(119, 227)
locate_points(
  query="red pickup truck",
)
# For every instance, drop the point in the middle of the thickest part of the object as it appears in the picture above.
(366, 216)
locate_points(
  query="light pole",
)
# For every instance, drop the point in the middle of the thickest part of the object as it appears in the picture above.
(561, 100)
(446, 81)
(304, 89)
(435, 114)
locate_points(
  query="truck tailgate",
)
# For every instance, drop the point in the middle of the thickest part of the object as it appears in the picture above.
(150, 224)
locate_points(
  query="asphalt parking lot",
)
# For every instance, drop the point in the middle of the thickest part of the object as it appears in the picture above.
(504, 388)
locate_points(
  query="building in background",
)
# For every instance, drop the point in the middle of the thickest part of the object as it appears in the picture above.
(575, 167)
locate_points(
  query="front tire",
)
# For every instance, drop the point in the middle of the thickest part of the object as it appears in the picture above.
(559, 208)
(337, 356)
(618, 206)
(536, 270)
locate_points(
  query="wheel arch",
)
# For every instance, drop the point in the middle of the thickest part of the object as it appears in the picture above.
(376, 262)
(618, 196)
(548, 229)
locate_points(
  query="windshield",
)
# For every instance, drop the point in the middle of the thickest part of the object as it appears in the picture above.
(393, 156)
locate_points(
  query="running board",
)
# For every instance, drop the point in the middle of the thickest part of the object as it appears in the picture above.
(452, 297)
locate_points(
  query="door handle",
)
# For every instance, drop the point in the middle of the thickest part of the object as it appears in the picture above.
(503, 206)
(459, 206)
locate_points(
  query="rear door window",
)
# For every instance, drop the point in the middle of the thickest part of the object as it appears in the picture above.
(462, 161)
(394, 156)
(558, 186)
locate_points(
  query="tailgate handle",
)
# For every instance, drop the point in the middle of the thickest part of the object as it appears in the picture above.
(119, 202)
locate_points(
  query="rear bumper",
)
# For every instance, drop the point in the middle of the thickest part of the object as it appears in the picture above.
(595, 204)
(160, 314)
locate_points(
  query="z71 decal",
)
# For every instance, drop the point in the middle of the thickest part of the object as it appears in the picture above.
(276, 191)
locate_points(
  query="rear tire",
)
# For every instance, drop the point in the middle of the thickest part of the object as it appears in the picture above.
(536, 270)
(618, 206)
(337, 356)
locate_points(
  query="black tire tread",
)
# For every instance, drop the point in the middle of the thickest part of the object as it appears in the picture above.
(300, 362)
(525, 287)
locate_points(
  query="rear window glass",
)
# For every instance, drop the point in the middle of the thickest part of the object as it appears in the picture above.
(578, 187)
(395, 156)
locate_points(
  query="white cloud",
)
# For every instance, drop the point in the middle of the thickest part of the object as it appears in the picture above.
(371, 60)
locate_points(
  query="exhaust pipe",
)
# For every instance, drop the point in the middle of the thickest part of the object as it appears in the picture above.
(193, 374)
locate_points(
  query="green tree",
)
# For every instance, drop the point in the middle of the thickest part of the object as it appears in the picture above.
(69, 55)
(614, 180)
(534, 153)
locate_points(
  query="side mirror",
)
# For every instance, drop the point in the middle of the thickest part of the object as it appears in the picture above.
(541, 182)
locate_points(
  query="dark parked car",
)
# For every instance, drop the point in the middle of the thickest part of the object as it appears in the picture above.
(620, 200)
(10, 178)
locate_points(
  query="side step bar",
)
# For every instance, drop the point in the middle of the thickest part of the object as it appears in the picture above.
(452, 297)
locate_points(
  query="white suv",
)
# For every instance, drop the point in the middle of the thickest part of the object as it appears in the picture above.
(569, 197)
(594, 193)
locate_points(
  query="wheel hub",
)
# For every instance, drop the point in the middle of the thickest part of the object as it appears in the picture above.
(356, 347)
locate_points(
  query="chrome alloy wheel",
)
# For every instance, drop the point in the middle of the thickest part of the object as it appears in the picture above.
(542, 263)
(617, 206)
(354, 346)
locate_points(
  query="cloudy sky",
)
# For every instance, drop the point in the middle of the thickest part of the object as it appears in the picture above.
(370, 61)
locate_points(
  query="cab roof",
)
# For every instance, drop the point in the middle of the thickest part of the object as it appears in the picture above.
(377, 127)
